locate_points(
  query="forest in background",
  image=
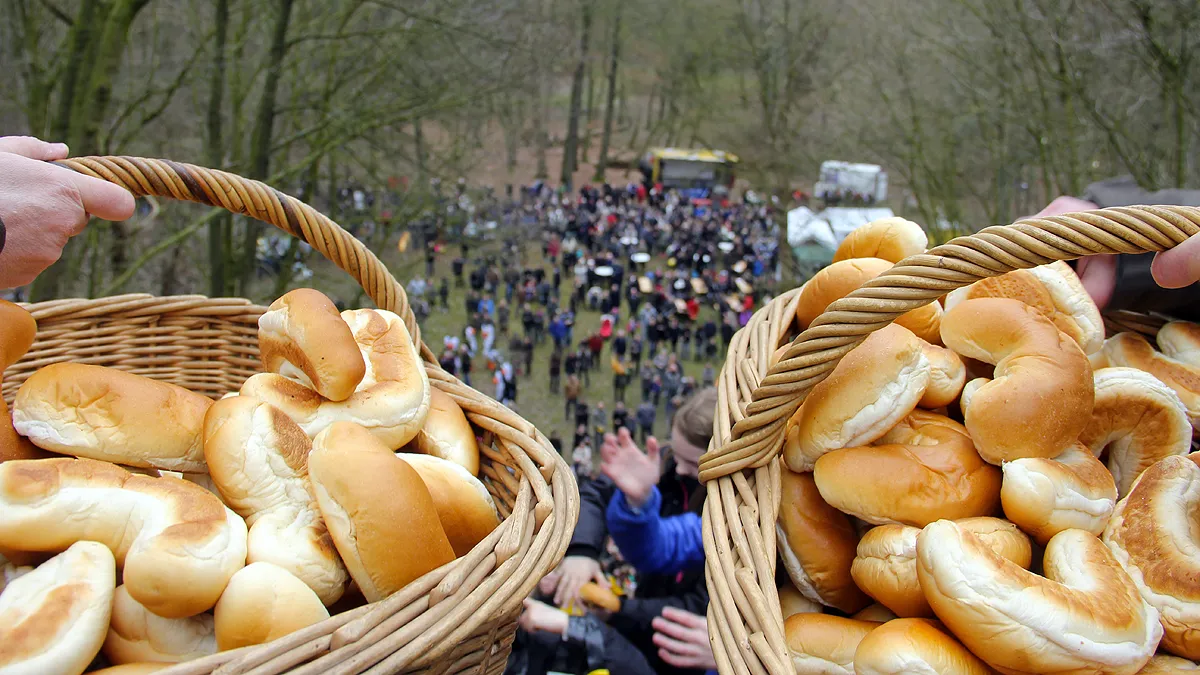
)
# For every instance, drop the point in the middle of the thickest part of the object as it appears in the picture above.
(981, 110)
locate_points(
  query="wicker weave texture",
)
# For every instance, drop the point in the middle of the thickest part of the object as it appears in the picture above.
(755, 399)
(460, 618)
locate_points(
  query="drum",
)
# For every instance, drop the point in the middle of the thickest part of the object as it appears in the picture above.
(743, 286)
(641, 257)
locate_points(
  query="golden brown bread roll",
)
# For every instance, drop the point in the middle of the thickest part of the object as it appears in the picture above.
(1054, 290)
(53, 619)
(136, 635)
(1162, 664)
(838, 280)
(1180, 340)
(923, 469)
(1132, 350)
(363, 491)
(1153, 534)
(12, 444)
(599, 596)
(873, 387)
(302, 337)
(109, 414)
(258, 460)
(1041, 397)
(177, 543)
(817, 544)
(17, 332)
(890, 239)
(875, 612)
(467, 512)
(264, 602)
(915, 647)
(132, 669)
(947, 375)
(1137, 420)
(1046, 496)
(447, 433)
(1085, 615)
(792, 601)
(822, 644)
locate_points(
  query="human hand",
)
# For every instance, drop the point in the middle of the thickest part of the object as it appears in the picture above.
(43, 205)
(1097, 272)
(1178, 267)
(682, 639)
(573, 572)
(633, 471)
(538, 616)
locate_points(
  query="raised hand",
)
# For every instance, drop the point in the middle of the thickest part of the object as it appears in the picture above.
(633, 471)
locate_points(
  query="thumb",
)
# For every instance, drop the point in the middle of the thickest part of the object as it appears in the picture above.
(1178, 267)
(33, 148)
(652, 448)
(103, 199)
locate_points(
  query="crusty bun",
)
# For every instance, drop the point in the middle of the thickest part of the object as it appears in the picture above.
(836, 281)
(599, 596)
(1137, 420)
(1041, 397)
(17, 332)
(947, 375)
(1180, 340)
(874, 612)
(468, 513)
(10, 572)
(890, 239)
(447, 433)
(302, 337)
(132, 669)
(1161, 664)
(109, 414)
(53, 619)
(822, 644)
(1153, 534)
(792, 601)
(1054, 290)
(923, 470)
(136, 635)
(264, 602)
(177, 543)
(364, 491)
(258, 460)
(1132, 350)
(886, 564)
(817, 545)
(1084, 616)
(1046, 496)
(873, 387)
(12, 444)
(915, 647)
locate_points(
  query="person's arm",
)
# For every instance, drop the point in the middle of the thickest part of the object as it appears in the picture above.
(651, 543)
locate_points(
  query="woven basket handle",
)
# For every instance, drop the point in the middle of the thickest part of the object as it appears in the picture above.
(185, 182)
(758, 438)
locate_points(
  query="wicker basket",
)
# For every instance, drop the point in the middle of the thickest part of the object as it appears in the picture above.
(460, 618)
(742, 470)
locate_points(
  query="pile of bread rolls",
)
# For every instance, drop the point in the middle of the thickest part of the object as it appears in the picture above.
(988, 485)
(150, 524)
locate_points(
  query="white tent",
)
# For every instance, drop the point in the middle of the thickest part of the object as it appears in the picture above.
(829, 227)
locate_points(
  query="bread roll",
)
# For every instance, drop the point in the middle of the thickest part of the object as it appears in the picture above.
(1054, 290)
(391, 402)
(12, 444)
(1161, 664)
(464, 506)
(838, 280)
(447, 433)
(947, 375)
(10, 572)
(53, 619)
(109, 414)
(302, 337)
(923, 470)
(1132, 350)
(873, 387)
(817, 545)
(258, 460)
(915, 647)
(136, 635)
(792, 601)
(1137, 420)
(886, 564)
(1084, 616)
(177, 543)
(364, 491)
(264, 602)
(17, 332)
(1180, 340)
(1041, 397)
(875, 612)
(599, 596)
(1153, 534)
(132, 669)
(1046, 496)
(822, 644)
(890, 239)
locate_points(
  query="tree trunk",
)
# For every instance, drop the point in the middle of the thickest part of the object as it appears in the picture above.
(613, 58)
(419, 150)
(260, 137)
(571, 143)
(217, 284)
(585, 140)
